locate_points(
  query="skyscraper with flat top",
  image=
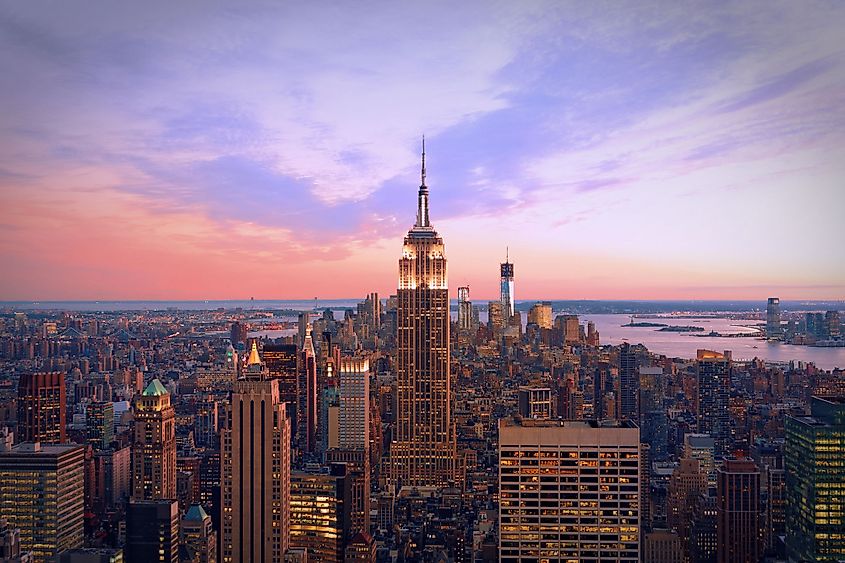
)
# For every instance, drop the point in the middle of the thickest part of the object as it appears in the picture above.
(738, 512)
(714, 385)
(423, 453)
(773, 328)
(255, 470)
(41, 408)
(507, 296)
(154, 450)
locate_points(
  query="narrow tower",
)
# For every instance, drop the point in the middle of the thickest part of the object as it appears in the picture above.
(507, 288)
(423, 453)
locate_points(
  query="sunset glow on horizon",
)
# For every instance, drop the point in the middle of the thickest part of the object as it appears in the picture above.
(177, 151)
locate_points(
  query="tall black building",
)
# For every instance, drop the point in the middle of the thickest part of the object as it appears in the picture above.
(152, 531)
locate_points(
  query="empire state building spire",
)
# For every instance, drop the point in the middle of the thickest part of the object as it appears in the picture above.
(422, 201)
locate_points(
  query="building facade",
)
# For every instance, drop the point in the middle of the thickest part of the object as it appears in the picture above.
(569, 491)
(41, 408)
(154, 447)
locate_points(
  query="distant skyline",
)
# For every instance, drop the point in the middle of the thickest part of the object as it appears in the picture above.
(212, 151)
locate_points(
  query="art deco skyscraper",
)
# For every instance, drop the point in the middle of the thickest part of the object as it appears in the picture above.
(154, 449)
(423, 453)
(255, 470)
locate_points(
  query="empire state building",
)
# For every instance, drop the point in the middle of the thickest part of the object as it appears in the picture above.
(423, 453)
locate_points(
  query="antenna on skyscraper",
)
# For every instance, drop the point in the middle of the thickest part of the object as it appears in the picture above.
(422, 172)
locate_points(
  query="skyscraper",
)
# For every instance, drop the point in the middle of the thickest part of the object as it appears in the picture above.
(41, 408)
(507, 296)
(319, 512)
(307, 412)
(41, 495)
(569, 491)
(154, 447)
(629, 384)
(738, 517)
(152, 531)
(814, 455)
(255, 472)
(423, 452)
(773, 328)
(197, 536)
(714, 383)
(541, 315)
(99, 422)
(464, 309)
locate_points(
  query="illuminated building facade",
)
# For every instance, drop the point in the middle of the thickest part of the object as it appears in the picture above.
(319, 512)
(540, 314)
(569, 491)
(306, 412)
(41, 495)
(255, 470)
(41, 408)
(629, 384)
(280, 360)
(154, 447)
(464, 309)
(423, 452)
(814, 456)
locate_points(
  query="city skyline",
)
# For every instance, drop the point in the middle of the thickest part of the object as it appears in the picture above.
(667, 152)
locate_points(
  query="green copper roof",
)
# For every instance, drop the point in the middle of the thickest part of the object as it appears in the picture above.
(196, 513)
(155, 388)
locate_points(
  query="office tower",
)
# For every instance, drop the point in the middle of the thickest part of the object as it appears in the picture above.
(703, 530)
(589, 476)
(41, 408)
(206, 422)
(687, 483)
(495, 317)
(464, 309)
(423, 452)
(361, 549)
(41, 488)
(662, 546)
(738, 522)
(238, 334)
(714, 384)
(540, 314)
(535, 402)
(629, 384)
(154, 447)
(319, 512)
(773, 328)
(255, 475)
(654, 422)
(152, 531)
(306, 412)
(197, 536)
(99, 422)
(703, 448)
(569, 328)
(507, 296)
(281, 362)
(112, 478)
(593, 337)
(354, 403)
(814, 455)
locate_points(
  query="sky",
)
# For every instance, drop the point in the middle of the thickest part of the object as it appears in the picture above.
(619, 150)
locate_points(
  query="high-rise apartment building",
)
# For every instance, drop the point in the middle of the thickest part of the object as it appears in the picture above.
(255, 476)
(320, 512)
(154, 446)
(713, 371)
(569, 491)
(41, 408)
(152, 531)
(423, 452)
(773, 328)
(629, 384)
(41, 489)
(814, 456)
(354, 403)
(506, 285)
(738, 516)
(99, 423)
